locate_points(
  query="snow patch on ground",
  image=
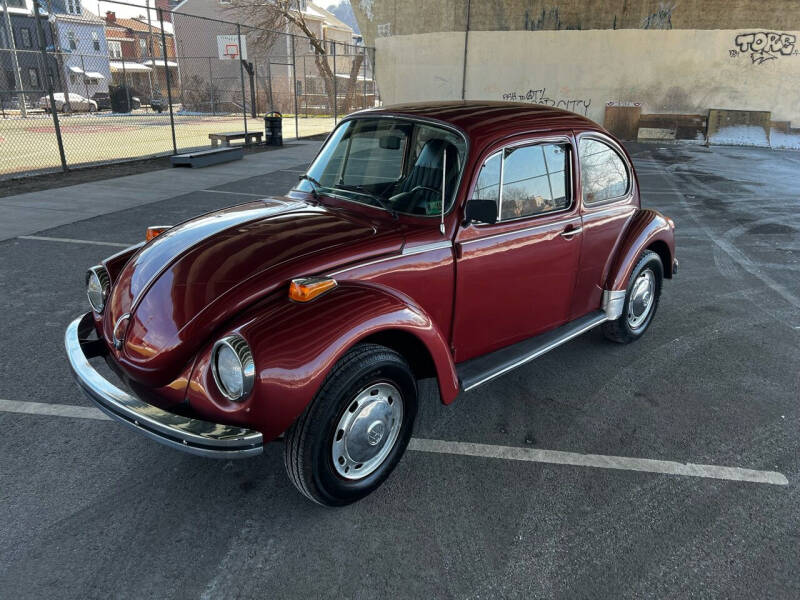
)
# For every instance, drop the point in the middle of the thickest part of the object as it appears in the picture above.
(740, 135)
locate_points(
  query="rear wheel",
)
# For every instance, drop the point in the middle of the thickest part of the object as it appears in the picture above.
(641, 300)
(354, 432)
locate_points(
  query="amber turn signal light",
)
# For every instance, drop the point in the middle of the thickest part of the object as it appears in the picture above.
(155, 231)
(308, 288)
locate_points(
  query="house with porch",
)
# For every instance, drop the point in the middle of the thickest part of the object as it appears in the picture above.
(212, 84)
(81, 47)
(136, 52)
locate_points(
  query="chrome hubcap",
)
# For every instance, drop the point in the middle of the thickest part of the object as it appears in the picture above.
(367, 431)
(643, 293)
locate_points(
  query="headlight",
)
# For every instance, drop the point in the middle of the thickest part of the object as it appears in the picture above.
(233, 367)
(98, 283)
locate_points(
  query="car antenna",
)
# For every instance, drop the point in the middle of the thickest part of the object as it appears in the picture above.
(444, 181)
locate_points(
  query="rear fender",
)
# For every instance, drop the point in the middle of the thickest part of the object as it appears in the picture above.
(295, 346)
(647, 229)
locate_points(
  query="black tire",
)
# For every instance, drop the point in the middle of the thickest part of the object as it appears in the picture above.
(620, 330)
(308, 442)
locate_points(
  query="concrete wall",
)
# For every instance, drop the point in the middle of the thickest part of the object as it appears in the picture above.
(380, 18)
(667, 71)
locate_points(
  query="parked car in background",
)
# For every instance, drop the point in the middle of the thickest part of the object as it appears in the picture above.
(77, 103)
(158, 104)
(454, 241)
(103, 100)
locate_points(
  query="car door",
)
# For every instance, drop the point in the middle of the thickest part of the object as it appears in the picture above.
(515, 278)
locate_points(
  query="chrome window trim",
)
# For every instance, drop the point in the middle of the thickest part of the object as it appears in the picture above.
(617, 149)
(555, 140)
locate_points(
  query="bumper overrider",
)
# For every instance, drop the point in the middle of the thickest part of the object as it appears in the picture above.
(183, 433)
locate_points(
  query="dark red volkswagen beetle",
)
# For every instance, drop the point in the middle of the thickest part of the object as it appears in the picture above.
(452, 240)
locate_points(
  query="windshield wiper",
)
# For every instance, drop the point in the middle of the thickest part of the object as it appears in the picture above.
(315, 185)
(380, 201)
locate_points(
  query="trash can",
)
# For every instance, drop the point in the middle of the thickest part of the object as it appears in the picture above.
(273, 126)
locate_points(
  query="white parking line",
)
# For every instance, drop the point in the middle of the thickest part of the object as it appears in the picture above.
(43, 238)
(555, 457)
(666, 467)
(53, 410)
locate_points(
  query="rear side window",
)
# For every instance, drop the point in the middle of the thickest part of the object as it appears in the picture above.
(603, 173)
(525, 180)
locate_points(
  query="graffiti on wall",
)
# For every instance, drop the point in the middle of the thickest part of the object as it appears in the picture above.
(660, 19)
(539, 96)
(764, 46)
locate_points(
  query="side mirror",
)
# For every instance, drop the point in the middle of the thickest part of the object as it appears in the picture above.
(483, 211)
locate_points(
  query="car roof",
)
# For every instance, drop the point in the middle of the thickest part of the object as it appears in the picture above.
(478, 118)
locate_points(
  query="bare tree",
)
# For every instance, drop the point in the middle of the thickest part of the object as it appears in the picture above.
(271, 16)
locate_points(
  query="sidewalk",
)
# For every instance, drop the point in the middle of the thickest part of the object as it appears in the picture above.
(25, 214)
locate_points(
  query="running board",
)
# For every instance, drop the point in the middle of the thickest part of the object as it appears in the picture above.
(482, 369)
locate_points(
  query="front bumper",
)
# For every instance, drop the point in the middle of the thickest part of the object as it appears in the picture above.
(183, 433)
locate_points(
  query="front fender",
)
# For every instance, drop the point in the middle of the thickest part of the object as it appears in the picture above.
(647, 229)
(295, 345)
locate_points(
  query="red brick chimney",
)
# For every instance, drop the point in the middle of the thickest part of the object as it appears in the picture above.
(111, 17)
(164, 5)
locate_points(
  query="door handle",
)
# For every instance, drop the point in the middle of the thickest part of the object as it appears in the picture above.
(569, 233)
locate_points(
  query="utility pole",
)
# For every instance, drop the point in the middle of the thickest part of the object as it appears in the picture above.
(62, 75)
(17, 72)
(150, 46)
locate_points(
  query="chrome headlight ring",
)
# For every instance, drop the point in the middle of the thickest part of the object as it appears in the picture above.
(233, 367)
(98, 284)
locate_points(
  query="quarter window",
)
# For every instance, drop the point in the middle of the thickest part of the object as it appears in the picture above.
(526, 180)
(603, 173)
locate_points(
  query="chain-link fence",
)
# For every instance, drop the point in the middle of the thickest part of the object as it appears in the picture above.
(80, 89)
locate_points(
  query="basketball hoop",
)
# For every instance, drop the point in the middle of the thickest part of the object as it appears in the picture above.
(231, 47)
(232, 51)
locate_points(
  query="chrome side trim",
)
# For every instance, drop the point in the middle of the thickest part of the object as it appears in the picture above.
(540, 351)
(183, 433)
(613, 302)
(553, 225)
(405, 252)
(364, 264)
(426, 247)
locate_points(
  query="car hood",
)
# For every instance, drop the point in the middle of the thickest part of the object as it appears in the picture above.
(181, 287)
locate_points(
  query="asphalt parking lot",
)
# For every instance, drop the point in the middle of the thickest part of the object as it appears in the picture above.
(92, 510)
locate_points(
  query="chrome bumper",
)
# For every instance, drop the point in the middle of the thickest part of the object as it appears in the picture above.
(190, 435)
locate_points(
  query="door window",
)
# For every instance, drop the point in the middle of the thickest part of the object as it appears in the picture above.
(525, 180)
(603, 172)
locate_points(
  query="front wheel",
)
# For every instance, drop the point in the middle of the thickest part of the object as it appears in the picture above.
(641, 300)
(352, 435)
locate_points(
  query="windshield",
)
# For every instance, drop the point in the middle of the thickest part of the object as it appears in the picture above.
(390, 163)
